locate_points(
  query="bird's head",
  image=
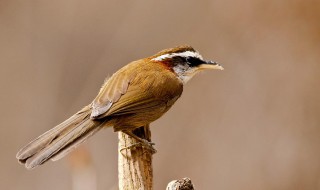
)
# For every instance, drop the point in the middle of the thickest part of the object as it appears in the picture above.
(184, 61)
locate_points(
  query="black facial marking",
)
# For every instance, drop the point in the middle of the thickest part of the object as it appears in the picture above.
(187, 61)
(193, 61)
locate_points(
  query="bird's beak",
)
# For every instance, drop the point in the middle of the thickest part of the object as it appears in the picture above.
(211, 65)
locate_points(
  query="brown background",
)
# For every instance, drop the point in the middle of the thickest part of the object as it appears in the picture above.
(255, 125)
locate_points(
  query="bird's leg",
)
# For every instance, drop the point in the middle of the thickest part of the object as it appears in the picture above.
(142, 142)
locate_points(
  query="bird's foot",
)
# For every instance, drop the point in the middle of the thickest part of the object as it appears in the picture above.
(143, 143)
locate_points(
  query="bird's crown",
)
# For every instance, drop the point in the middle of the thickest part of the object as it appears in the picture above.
(179, 51)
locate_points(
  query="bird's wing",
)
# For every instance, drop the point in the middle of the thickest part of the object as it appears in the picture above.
(147, 94)
(135, 92)
(110, 92)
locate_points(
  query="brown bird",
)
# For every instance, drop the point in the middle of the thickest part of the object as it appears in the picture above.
(134, 96)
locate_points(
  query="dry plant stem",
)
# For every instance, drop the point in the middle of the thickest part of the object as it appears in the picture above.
(181, 184)
(134, 163)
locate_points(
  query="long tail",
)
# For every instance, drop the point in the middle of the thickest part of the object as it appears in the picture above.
(60, 140)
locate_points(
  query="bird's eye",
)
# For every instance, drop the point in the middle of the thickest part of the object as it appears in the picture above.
(193, 61)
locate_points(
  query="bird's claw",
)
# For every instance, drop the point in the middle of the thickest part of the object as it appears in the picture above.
(144, 143)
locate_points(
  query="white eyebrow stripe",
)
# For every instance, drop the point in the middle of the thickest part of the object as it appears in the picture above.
(182, 54)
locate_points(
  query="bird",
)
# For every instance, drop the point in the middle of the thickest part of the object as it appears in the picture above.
(134, 96)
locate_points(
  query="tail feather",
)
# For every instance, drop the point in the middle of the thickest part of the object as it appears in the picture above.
(56, 141)
(75, 144)
(44, 139)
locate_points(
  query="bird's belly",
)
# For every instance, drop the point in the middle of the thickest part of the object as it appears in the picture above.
(139, 119)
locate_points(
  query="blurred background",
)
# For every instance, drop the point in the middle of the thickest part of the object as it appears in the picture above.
(256, 125)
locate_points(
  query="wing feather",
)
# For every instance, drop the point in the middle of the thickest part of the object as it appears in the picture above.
(136, 90)
(110, 92)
